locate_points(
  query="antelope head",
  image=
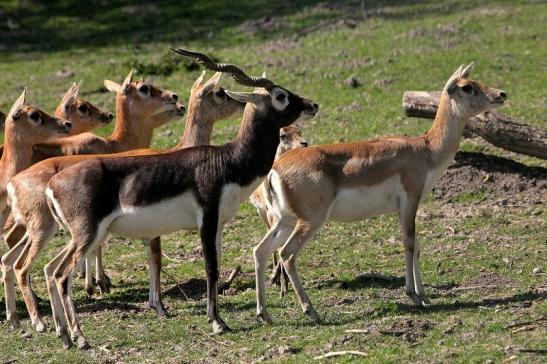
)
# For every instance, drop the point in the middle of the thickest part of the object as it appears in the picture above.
(144, 99)
(83, 115)
(33, 125)
(468, 97)
(211, 100)
(276, 102)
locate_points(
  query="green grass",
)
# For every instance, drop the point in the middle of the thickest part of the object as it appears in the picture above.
(411, 44)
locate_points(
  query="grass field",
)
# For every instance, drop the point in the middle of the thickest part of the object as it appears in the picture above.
(483, 248)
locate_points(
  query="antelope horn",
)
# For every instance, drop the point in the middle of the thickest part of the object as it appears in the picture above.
(237, 73)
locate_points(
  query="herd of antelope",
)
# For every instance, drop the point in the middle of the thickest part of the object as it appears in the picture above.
(54, 172)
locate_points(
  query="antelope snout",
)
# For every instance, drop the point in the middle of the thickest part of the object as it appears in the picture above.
(108, 117)
(500, 96)
(180, 109)
(65, 126)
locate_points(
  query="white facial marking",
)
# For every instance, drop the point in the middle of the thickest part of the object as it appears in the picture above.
(280, 98)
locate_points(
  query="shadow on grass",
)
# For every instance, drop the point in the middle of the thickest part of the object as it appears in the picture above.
(68, 24)
(366, 280)
(487, 302)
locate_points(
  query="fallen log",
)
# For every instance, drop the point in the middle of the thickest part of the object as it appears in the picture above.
(494, 127)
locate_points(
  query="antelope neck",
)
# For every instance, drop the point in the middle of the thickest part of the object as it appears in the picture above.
(17, 154)
(445, 133)
(131, 131)
(197, 130)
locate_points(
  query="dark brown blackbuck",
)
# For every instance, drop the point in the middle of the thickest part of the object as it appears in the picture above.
(150, 195)
(354, 181)
(197, 188)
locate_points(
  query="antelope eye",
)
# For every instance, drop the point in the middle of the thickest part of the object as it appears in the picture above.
(280, 97)
(82, 108)
(220, 93)
(35, 115)
(283, 137)
(144, 89)
(467, 89)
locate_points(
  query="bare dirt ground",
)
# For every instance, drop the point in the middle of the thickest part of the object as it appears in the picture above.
(497, 176)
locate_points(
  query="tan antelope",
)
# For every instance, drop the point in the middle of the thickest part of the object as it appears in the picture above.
(208, 103)
(24, 126)
(193, 188)
(83, 115)
(354, 181)
(290, 137)
(134, 125)
(140, 107)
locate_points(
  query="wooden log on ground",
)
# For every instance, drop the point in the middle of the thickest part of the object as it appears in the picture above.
(494, 127)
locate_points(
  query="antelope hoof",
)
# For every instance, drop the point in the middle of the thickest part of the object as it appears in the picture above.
(160, 310)
(219, 327)
(14, 323)
(62, 334)
(313, 315)
(39, 326)
(89, 290)
(104, 286)
(418, 300)
(264, 317)
(82, 343)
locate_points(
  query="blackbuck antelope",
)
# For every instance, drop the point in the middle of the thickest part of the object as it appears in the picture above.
(354, 181)
(141, 107)
(83, 115)
(150, 195)
(208, 103)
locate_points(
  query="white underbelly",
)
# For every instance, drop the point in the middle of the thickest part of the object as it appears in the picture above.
(232, 196)
(358, 203)
(178, 213)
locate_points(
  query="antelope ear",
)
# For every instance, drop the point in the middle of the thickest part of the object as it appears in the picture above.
(453, 80)
(243, 96)
(17, 108)
(112, 86)
(69, 97)
(467, 70)
(124, 89)
(199, 80)
(210, 84)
